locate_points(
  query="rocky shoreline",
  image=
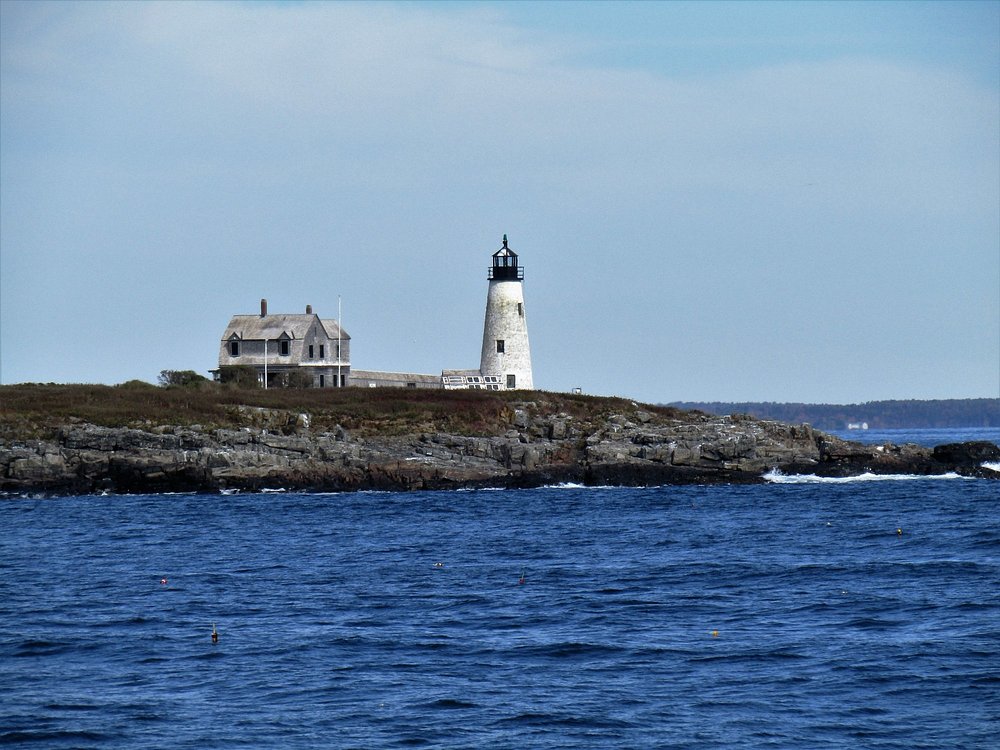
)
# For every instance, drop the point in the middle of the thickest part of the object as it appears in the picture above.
(277, 449)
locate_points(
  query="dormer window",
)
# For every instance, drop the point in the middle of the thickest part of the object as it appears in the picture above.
(284, 347)
(234, 348)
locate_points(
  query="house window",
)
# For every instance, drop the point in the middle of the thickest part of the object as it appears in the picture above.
(310, 351)
(322, 380)
(511, 381)
(322, 350)
(411, 385)
(234, 348)
(284, 348)
(499, 346)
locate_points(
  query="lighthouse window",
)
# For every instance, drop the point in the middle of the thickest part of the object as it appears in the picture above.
(520, 309)
(499, 346)
(510, 381)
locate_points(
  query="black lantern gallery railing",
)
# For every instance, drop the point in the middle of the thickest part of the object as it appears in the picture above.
(506, 273)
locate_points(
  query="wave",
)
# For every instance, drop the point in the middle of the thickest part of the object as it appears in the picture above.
(578, 486)
(991, 465)
(777, 477)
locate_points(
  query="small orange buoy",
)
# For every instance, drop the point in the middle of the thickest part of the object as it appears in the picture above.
(715, 633)
(215, 634)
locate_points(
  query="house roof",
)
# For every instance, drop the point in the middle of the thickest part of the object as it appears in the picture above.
(256, 327)
(333, 329)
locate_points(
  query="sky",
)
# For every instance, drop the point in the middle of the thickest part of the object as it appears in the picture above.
(712, 201)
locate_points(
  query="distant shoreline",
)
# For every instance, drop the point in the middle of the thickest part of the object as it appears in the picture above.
(970, 413)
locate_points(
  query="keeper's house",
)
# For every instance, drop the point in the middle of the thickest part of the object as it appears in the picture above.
(287, 349)
(307, 351)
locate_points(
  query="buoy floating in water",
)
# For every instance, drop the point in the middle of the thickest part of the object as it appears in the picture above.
(899, 532)
(215, 634)
(439, 565)
(522, 579)
(715, 633)
(163, 581)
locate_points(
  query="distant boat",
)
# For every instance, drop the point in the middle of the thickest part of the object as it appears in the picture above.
(857, 425)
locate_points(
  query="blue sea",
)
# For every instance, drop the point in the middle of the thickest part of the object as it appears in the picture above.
(807, 614)
(928, 436)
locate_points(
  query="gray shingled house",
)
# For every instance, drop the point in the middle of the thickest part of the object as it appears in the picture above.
(284, 348)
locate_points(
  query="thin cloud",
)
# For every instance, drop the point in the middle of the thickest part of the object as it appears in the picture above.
(324, 124)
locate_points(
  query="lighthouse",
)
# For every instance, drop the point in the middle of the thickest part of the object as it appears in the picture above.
(506, 354)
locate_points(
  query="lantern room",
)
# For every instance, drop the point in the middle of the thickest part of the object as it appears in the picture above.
(505, 266)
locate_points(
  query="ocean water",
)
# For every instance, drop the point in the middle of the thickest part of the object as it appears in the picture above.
(787, 615)
(928, 436)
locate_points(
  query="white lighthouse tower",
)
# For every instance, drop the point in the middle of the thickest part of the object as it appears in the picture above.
(506, 354)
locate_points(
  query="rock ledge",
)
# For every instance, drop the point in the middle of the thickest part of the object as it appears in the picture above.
(638, 448)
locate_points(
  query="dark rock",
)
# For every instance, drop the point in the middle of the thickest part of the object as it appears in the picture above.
(272, 451)
(967, 454)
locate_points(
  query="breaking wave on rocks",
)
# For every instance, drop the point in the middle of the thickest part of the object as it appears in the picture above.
(777, 477)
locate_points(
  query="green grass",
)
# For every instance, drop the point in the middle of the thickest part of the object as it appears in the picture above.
(36, 411)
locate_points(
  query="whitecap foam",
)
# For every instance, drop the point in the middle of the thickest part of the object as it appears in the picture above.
(578, 486)
(776, 477)
(991, 465)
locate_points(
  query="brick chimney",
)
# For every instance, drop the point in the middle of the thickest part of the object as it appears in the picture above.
(263, 307)
(309, 309)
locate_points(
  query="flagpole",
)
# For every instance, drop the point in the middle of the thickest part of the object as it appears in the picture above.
(340, 353)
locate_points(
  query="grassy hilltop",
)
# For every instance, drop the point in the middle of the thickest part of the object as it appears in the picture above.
(35, 411)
